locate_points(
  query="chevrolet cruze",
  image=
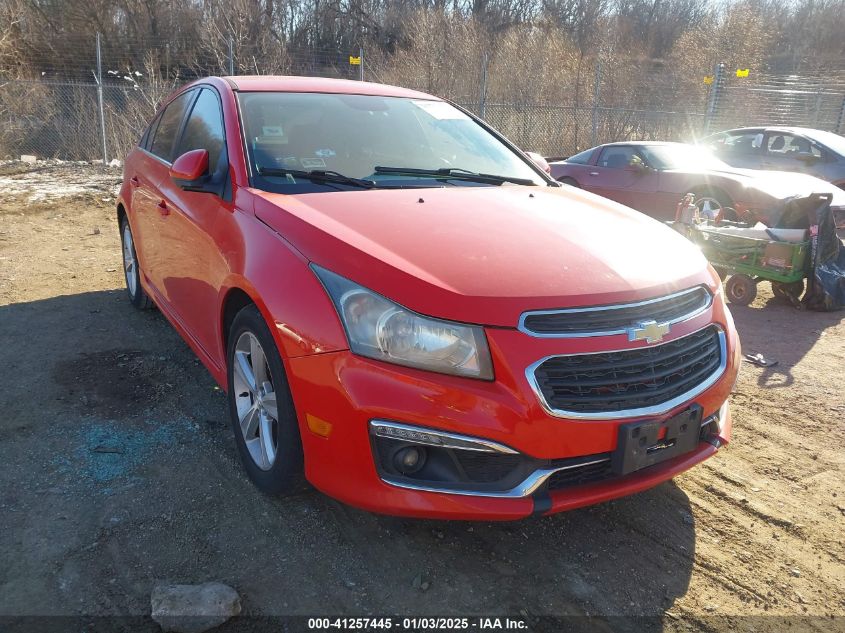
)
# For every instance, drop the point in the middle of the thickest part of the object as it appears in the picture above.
(407, 312)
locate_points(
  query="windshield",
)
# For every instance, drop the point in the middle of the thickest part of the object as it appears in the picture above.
(680, 157)
(833, 141)
(353, 135)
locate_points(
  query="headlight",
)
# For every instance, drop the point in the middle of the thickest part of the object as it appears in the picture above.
(720, 287)
(720, 291)
(379, 328)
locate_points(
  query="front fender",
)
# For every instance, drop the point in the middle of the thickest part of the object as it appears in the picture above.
(292, 300)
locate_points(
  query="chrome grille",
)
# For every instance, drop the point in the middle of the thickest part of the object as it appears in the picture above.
(628, 383)
(615, 319)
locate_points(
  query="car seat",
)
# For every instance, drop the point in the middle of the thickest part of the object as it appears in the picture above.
(800, 145)
(777, 144)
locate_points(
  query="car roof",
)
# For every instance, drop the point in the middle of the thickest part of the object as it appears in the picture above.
(639, 143)
(789, 129)
(281, 83)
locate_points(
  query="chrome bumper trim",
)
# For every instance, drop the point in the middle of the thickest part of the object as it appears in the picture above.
(531, 483)
(443, 439)
(525, 489)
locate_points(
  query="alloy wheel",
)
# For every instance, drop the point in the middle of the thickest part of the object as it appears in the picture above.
(255, 401)
(708, 205)
(130, 265)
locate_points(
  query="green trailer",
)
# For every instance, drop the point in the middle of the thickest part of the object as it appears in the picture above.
(747, 256)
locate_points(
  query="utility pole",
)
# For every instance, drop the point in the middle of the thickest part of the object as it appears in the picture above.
(100, 100)
(840, 122)
(361, 65)
(715, 96)
(231, 55)
(596, 92)
(482, 92)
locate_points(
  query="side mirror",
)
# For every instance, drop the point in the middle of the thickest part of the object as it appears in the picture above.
(189, 167)
(540, 162)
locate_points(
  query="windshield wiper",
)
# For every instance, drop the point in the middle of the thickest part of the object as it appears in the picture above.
(455, 172)
(317, 175)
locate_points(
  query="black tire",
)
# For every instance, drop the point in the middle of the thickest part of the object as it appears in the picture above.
(137, 296)
(285, 477)
(741, 289)
(566, 180)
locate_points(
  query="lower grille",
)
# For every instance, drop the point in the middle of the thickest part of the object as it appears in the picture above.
(579, 475)
(487, 467)
(631, 380)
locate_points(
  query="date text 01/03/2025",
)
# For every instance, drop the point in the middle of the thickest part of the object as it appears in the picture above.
(413, 624)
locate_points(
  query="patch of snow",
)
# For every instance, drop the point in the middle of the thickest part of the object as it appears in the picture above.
(53, 182)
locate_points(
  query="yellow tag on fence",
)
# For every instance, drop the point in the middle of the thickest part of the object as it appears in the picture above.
(742, 72)
(354, 61)
(708, 79)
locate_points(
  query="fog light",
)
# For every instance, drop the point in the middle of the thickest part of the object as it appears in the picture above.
(409, 459)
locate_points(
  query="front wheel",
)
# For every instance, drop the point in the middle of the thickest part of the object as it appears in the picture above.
(570, 181)
(713, 204)
(261, 407)
(741, 289)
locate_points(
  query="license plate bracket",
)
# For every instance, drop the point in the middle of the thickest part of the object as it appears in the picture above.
(642, 444)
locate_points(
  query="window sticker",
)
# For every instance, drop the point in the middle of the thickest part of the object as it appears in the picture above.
(440, 110)
(272, 130)
(325, 153)
(313, 163)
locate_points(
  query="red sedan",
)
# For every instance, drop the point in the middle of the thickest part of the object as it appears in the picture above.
(407, 312)
(652, 177)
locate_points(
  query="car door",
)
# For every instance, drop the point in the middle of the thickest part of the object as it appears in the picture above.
(150, 168)
(614, 176)
(791, 152)
(193, 267)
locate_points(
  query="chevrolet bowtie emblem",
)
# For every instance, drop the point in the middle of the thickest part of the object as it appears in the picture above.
(648, 331)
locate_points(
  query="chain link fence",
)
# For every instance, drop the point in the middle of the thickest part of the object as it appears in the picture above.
(558, 131)
(50, 118)
(789, 100)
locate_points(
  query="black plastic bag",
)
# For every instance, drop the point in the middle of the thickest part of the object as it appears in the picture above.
(826, 284)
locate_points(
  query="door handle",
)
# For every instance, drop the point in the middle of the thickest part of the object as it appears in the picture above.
(134, 181)
(162, 208)
(594, 173)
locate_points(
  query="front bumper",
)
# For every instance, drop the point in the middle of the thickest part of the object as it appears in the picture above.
(345, 392)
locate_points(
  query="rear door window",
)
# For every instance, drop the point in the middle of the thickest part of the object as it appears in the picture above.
(169, 124)
(790, 145)
(204, 129)
(144, 143)
(616, 157)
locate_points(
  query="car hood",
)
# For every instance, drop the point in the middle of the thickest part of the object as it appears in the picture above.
(778, 185)
(486, 254)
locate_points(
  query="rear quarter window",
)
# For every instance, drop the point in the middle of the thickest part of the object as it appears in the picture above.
(582, 158)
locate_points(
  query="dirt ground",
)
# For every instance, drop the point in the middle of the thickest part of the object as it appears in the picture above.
(118, 469)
